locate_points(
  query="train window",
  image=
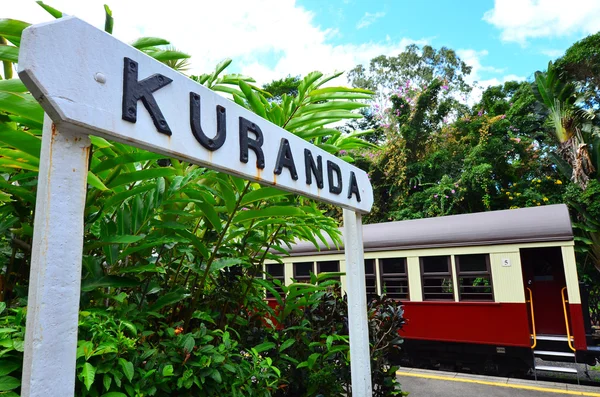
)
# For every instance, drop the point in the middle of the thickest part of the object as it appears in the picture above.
(436, 274)
(394, 279)
(329, 266)
(302, 271)
(275, 271)
(370, 278)
(474, 277)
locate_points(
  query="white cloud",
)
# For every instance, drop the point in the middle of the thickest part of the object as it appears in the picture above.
(473, 58)
(520, 20)
(553, 53)
(267, 39)
(368, 19)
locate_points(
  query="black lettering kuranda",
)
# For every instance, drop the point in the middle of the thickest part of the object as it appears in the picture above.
(246, 142)
(211, 144)
(285, 159)
(251, 136)
(134, 90)
(311, 168)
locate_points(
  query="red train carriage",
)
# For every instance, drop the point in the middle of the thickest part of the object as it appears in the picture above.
(492, 290)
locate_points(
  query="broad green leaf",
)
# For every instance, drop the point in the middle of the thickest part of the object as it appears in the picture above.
(21, 104)
(119, 198)
(320, 132)
(6, 366)
(311, 118)
(10, 163)
(126, 158)
(330, 96)
(12, 85)
(106, 381)
(216, 375)
(12, 28)
(167, 370)
(169, 298)
(108, 282)
(167, 55)
(145, 42)
(114, 394)
(127, 368)
(211, 214)
(227, 192)
(94, 181)
(253, 99)
(109, 21)
(330, 106)
(263, 193)
(312, 359)
(225, 262)
(141, 175)
(51, 10)
(123, 239)
(148, 268)
(220, 67)
(9, 53)
(286, 344)
(195, 241)
(9, 383)
(188, 343)
(89, 373)
(2, 307)
(268, 212)
(226, 89)
(100, 142)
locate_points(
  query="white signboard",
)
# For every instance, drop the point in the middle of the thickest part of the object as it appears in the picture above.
(86, 80)
(89, 83)
(505, 262)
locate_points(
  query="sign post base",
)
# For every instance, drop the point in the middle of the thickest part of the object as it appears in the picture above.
(360, 357)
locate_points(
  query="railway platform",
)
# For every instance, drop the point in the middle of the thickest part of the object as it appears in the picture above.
(429, 383)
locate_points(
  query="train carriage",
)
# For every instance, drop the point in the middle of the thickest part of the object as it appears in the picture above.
(493, 289)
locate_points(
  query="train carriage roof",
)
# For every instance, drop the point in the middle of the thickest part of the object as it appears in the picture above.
(524, 225)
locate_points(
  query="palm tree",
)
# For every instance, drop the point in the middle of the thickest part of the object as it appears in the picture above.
(568, 120)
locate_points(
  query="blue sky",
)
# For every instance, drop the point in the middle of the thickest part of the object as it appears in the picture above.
(458, 24)
(270, 39)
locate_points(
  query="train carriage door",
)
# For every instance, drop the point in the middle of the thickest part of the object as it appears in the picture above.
(543, 273)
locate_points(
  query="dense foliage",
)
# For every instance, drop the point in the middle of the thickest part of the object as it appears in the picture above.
(173, 285)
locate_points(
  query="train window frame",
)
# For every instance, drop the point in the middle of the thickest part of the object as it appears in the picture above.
(437, 276)
(464, 274)
(302, 278)
(394, 276)
(339, 266)
(371, 291)
(269, 276)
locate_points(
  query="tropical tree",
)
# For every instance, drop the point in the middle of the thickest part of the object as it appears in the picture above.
(568, 121)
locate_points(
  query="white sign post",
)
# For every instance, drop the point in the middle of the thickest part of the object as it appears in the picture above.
(89, 83)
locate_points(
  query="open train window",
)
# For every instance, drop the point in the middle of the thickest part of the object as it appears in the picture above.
(329, 267)
(436, 275)
(474, 277)
(275, 271)
(370, 278)
(302, 271)
(394, 278)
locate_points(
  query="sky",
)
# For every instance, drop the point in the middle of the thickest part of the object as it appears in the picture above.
(270, 39)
